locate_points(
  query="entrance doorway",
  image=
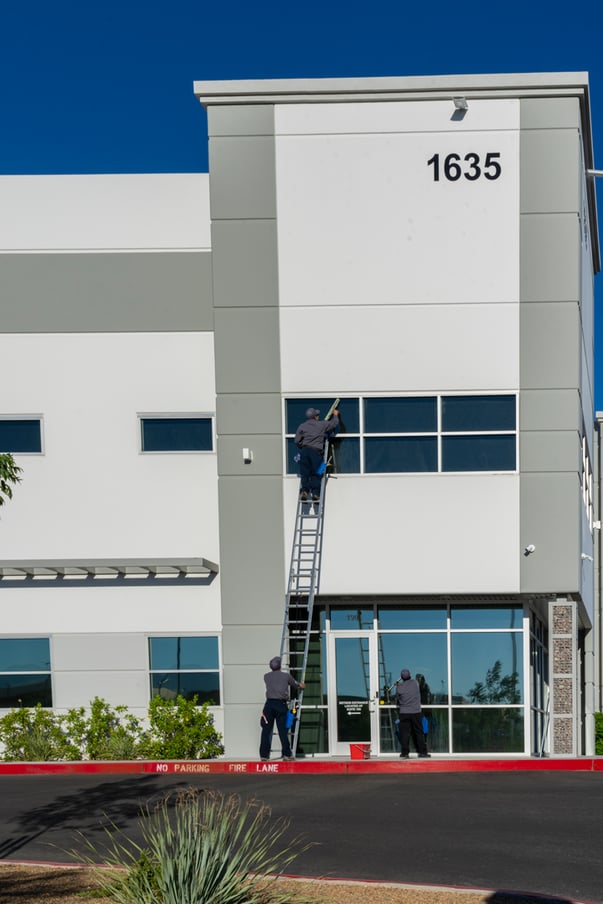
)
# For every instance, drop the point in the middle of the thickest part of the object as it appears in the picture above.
(353, 674)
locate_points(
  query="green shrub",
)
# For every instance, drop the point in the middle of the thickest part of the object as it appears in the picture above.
(198, 847)
(35, 734)
(599, 734)
(180, 730)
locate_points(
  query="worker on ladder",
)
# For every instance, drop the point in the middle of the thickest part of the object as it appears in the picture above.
(310, 439)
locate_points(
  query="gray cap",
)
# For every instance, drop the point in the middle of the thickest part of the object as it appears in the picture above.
(405, 674)
(275, 663)
(312, 412)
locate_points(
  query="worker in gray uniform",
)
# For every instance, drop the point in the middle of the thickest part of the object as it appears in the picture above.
(310, 439)
(278, 684)
(408, 699)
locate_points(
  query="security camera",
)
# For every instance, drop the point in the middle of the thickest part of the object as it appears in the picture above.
(529, 550)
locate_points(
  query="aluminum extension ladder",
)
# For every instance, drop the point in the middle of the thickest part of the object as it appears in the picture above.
(302, 588)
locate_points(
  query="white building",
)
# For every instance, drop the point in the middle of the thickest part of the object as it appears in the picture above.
(422, 249)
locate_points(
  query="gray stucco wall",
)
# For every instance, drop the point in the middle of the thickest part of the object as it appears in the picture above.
(245, 290)
(551, 343)
(112, 293)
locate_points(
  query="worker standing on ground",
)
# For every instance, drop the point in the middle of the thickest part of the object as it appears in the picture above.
(408, 698)
(275, 708)
(310, 440)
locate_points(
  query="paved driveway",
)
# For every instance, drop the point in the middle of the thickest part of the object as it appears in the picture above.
(539, 832)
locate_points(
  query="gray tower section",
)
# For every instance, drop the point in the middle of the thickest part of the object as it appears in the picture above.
(248, 408)
(552, 346)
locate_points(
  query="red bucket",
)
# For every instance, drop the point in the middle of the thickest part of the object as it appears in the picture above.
(360, 751)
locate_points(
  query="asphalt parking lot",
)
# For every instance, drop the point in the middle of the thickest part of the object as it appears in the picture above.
(537, 832)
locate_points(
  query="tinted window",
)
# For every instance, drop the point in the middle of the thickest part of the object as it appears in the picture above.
(348, 412)
(475, 413)
(24, 654)
(352, 619)
(478, 453)
(395, 454)
(24, 690)
(486, 617)
(392, 415)
(409, 618)
(20, 436)
(183, 653)
(178, 434)
(203, 685)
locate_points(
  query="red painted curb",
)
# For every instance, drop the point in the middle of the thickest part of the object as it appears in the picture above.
(304, 767)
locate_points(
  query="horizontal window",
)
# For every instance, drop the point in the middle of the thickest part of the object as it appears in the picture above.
(414, 434)
(186, 667)
(20, 435)
(176, 434)
(25, 672)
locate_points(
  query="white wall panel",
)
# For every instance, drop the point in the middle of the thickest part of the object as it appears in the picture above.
(409, 348)
(394, 116)
(362, 221)
(150, 609)
(92, 494)
(128, 688)
(142, 211)
(427, 534)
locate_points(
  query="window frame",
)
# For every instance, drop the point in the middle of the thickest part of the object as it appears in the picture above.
(31, 672)
(187, 671)
(25, 417)
(440, 434)
(175, 416)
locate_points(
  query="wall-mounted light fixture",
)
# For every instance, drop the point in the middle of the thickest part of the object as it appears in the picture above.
(460, 103)
(247, 456)
(586, 558)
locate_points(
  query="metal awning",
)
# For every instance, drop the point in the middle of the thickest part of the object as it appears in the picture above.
(105, 568)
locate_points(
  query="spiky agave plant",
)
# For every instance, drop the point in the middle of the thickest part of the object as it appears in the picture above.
(200, 848)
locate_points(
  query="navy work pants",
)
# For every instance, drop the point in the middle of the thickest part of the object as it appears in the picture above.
(412, 723)
(274, 711)
(310, 461)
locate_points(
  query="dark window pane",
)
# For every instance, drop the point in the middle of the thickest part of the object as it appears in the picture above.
(486, 617)
(408, 618)
(24, 654)
(478, 453)
(204, 685)
(422, 654)
(183, 652)
(313, 731)
(487, 668)
(20, 436)
(177, 434)
(400, 415)
(488, 730)
(352, 619)
(436, 721)
(345, 455)
(388, 454)
(295, 412)
(475, 413)
(24, 690)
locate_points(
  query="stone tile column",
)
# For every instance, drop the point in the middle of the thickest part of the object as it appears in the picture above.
(563, 651)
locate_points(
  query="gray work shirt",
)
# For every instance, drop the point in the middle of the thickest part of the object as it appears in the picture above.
(408, 696)
(311, 434)
(278, 684)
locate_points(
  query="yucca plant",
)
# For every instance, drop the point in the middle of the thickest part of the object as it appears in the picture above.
(199, 848)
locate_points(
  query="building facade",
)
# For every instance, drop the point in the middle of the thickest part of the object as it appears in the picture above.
(421, 249)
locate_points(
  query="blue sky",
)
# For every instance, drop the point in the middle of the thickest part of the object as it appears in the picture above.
(104, 88)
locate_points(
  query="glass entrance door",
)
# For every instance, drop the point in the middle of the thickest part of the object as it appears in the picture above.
(353, 675)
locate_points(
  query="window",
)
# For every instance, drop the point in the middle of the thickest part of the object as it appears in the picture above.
(25, 672)
(185, 667)
(416, 434)
(587, 482)
(20, 435)
(176, 434)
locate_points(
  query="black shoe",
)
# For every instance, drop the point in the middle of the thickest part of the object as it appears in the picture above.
(405, 756)
(303, 496)
(424, 756)
(315, 498)
(288, 759)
